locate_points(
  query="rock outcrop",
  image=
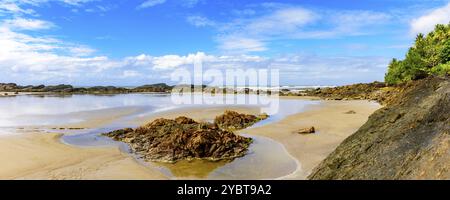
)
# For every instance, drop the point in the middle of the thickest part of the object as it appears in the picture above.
(232, 120)
(69, 89)
(408, 139)
(167, 140)
(159, 87)
(6, 87)
(375, 91)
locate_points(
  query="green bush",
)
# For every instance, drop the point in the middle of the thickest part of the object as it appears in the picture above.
(429, 55)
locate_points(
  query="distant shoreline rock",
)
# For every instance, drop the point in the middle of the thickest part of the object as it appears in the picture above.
(151, 88)
(69, 89)
(167, 140)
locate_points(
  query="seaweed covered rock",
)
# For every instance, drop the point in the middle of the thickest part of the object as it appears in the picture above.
(232, 120)
(167, 140)
(408, 139)
(376, 91)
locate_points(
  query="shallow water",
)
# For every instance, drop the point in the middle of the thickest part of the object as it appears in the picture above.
(266, 159)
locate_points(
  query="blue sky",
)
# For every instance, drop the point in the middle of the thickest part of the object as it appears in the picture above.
(134, 42)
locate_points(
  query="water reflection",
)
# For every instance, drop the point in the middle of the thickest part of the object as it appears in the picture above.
(266, 159)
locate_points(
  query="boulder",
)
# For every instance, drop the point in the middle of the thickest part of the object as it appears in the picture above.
(307, 130)
(167, 140)
(232, 120)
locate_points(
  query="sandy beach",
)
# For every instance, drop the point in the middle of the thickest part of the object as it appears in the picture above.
(43, 156)
(332, 127)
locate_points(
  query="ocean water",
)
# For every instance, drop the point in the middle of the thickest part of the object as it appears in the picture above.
(39, 110)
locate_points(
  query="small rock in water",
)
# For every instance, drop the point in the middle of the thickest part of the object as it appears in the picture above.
(307, 130)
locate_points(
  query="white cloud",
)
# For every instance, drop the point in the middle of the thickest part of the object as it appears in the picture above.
(71, 2)
(15, 7)
(97, 9)
(200, 21)
(7, 7)
(326, 70)
(130, 74)
(27, 24)
(81, 50)
(427, 22)
(281, 21)
(167, 62)
(356, 22)
(150, 3)
(236, 44)
(46, 58)
(170, 62)
(253, 33)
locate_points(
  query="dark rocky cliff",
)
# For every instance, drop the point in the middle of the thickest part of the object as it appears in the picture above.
(407, 139)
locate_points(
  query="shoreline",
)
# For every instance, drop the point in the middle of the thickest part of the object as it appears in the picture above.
(98, 160)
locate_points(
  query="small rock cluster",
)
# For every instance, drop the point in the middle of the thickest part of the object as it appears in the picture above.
(232, 120)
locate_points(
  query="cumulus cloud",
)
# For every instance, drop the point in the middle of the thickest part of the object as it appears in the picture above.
(170, 62)
(426, 23)
(150, 3)
(34, 57)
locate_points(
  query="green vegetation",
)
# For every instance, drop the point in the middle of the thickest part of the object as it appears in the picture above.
(430, 55)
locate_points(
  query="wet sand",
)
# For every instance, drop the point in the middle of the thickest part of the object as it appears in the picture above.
(332, 127)
(37, 155)
(43, 156)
